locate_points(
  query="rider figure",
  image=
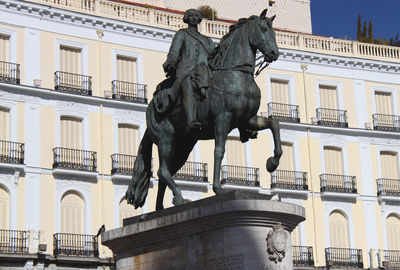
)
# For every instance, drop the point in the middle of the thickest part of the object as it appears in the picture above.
(187, 60)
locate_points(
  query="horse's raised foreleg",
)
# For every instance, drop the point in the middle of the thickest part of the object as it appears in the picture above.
(259, 123)
(221, 130)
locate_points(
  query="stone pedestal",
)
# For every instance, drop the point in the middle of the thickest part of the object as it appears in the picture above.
(233, 231)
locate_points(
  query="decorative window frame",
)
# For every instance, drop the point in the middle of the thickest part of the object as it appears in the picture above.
(289, 79)
(13, 43)
(291, 138)
(139, 63)
(84, 116)
(119, 193)
(346, 210)
(12, 107)
(388, 210)
(393, 96)
(247, 149)
(140, 124)
(386, 148)
(84, 53)
(10, 183)
(342, 146)
(339, 90)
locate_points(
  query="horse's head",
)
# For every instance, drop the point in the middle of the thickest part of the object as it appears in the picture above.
(262, 37)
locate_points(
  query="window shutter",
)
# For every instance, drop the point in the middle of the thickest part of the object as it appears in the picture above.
(235, 152)
(333, 160)
(4, 48)
(126, 69)
(72, 214)
(338, 230)
(70, 132)
(286, 162)
(127, 139)
(4, 124)
(327, 96)
(280, 91)
(389, 165)
(393, 232)
(296, 236)
(383, 102)
(126, 210)
(70, 60)
(4, 209)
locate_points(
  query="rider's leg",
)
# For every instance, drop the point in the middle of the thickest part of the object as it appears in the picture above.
(189, 104)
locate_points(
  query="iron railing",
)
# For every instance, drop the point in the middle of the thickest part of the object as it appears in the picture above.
(9, 72)
(338, 183)
(122, 164)
(303, 256)
(332, 117)
(69, 244)
(388, 187)
(12, 241)
(289, 180)
(192, 171)
(74, 159)
(392, 259)
(73, 83)
(283, 112)
(386, 122)
(134, 92)
(12, 152)
(242, 176)
(344, 257)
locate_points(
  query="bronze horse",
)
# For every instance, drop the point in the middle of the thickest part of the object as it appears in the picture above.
(232, 101)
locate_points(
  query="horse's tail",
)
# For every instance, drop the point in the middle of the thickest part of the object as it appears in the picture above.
(139, 187)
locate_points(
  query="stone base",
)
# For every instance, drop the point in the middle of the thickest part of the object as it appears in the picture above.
(233, 231)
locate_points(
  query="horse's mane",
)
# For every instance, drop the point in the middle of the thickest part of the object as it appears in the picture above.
(218, 54)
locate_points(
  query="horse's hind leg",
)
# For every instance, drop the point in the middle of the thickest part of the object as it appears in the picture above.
(160, 195)
(221, 130)
(259, 123)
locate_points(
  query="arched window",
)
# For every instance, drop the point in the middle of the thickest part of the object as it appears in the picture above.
(4, 124)
(338, 230)
(333, 160)
(393, 232)
(4, 209)
(71, 132)
(72, 213)
(127, 139)
(235, 152)
(126, 210)
(296, 236)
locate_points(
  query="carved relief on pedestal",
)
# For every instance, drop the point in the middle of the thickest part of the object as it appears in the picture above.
(276, 243)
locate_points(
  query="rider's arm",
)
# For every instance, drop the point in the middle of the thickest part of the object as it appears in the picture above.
(173, 54)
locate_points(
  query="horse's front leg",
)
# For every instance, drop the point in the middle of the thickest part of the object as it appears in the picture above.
(221, 130)
(259, 123)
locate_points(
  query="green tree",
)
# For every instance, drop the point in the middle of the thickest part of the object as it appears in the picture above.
(364, 32)
(207, 12)
(359, 34)
(370, 33)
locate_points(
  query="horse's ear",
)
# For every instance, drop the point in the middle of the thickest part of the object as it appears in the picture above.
(262, 15)
(272, 18)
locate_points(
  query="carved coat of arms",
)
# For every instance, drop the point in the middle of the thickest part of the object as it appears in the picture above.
(276, 243)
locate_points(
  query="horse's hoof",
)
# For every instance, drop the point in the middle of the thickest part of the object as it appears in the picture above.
(178, 200)
(272, 164)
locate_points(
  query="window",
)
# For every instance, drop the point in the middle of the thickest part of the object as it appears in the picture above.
(280, 91)
(126, 210)
(4, 124)
(286, 162)
(383, 103)
(127, 139)
(70, 60)
(333, 160)
(393, 232)
(71, 132)
(328, 97)
(126, 69)
(389, 165)
(5, 48)
(4, 209)
(296, 236)
(338, 230)
(72, 213)
(235, 152)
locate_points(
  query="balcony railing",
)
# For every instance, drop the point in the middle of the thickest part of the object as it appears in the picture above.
(303, 256)
(392, 259)
(386, 122)
(344, 257)
(332, 117)
(283, 112)
(133, 92)
(68, 244)
(65, 158)
(12, 241)
(12, 152)
(73, 83)
(338, 183)
(122, 164)
(388, 187)
(192, 171)
(289, 180)
(9, 72)
(242, 176)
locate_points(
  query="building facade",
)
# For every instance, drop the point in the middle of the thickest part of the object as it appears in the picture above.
(75, 80)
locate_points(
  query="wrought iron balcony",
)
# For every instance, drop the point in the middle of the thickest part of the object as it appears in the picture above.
(386, 122)
(12, 241)
(391, 259)
(122, 164)
(283, 112)
(344, 257)
(12, 152)
(332, 117)
(133, 92)
(69, 244)
(192, 171)
(73, 83)
(242, 176)
(388, 187)
(9, 72)
(303, 256)
(65, 158)
(338, 183)
(289, 180)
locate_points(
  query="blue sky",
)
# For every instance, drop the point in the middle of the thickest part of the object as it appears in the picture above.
(338, 18)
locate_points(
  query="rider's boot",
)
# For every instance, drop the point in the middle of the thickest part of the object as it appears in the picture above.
(190, 109)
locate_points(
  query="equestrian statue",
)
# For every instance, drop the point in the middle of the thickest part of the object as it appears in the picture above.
(208, 92)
